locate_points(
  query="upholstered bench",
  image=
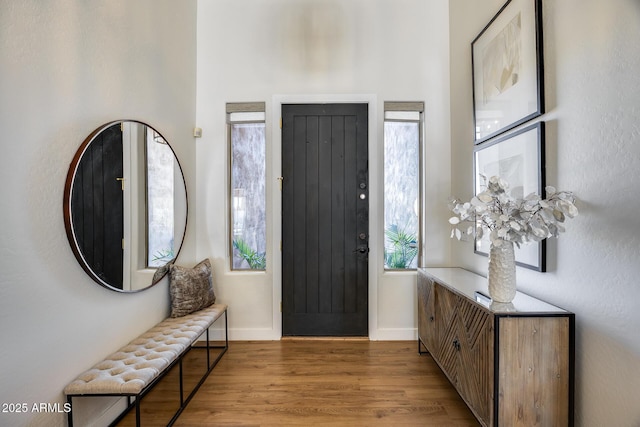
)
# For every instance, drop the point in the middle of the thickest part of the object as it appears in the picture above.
(135, 368)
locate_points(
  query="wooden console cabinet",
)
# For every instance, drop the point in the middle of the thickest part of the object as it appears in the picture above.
(513, 364)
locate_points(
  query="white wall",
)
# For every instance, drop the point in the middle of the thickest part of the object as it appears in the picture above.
(593, 147)
(318, 51)
(68, 66)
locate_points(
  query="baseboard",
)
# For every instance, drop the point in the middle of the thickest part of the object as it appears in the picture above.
(85, 409)
(323, 338)
(268, 334)
(396, 334)
(240, 334)
(257, 334)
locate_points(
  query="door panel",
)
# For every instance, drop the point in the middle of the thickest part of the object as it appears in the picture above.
(325, 170)
(97, 206)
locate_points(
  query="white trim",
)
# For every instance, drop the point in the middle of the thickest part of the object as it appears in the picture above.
(397, 334)
(105, 418)
(268, 334)
(273, 117)
(255, 334)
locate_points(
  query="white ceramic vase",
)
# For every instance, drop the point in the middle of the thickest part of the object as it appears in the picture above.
(502, 272)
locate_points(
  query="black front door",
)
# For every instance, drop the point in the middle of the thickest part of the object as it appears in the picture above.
(325, 220)
(97, 206)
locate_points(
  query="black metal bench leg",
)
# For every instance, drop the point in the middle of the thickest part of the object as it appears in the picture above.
(226, 331)
(70, 413)
(138, 411)
(208, 348)
(181, 385)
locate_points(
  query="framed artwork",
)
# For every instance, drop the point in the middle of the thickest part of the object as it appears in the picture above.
(518, 158)
(507, 63)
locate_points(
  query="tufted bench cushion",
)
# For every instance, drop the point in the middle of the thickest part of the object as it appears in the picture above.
(136, 365)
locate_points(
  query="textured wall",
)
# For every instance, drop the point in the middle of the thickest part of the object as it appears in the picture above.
(68, 66)
(593, 147)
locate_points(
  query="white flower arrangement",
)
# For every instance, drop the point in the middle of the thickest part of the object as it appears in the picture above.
(505, 217)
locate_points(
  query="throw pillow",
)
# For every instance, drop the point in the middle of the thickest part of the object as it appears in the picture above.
(190, 289)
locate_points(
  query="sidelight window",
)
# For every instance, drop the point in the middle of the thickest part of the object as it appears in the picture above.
(247, 185)
(402, 153)
(160, 200)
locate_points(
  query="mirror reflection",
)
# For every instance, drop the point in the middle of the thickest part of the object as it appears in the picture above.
(125, 206)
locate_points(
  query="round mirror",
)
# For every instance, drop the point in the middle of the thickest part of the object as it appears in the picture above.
(125, 206)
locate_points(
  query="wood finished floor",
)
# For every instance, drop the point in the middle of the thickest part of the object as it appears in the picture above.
(312, 383)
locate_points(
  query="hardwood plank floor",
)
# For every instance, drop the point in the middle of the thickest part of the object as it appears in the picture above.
(312, 383)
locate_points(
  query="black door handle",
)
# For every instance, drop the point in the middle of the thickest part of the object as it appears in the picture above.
(361, 249)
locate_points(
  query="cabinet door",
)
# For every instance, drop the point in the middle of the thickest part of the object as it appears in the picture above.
(534, 371)
(474, 332)
(466, 350)
(426, 313)
(446, 315)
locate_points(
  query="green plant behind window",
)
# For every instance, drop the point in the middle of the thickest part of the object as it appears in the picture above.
(163, 255)
(256, 261)
(401, 248)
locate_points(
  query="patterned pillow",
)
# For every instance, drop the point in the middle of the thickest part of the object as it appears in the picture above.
(190, 289)
(161, 272)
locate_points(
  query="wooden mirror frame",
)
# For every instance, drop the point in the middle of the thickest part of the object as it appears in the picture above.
(68, 214)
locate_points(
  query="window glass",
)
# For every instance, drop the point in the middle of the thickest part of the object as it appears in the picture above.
(401, 194)
(160, 208)
(248, 196)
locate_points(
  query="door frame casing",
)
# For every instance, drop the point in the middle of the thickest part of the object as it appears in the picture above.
(375, 200)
